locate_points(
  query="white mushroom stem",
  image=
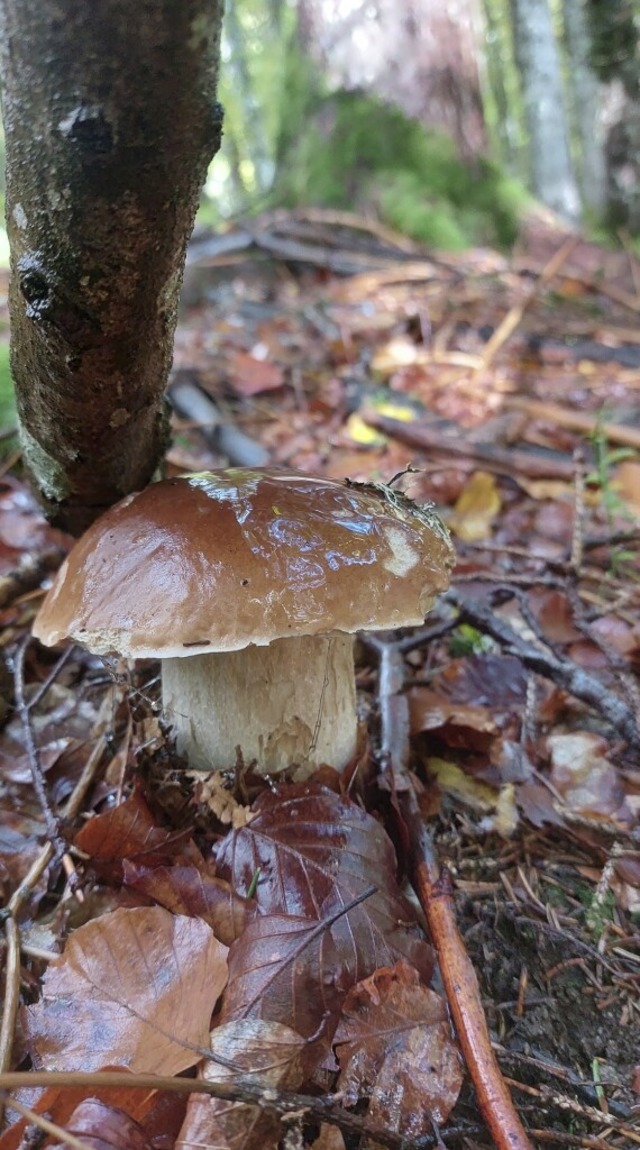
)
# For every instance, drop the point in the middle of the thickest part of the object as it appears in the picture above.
(292, 703)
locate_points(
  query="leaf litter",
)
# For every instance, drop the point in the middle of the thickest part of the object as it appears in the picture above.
(523, 707)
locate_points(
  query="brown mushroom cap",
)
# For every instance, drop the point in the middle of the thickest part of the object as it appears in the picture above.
(221, 559)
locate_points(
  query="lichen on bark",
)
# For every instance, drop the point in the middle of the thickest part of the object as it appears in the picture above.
(111, 121)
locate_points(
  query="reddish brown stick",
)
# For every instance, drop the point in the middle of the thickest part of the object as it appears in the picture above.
(435, 891)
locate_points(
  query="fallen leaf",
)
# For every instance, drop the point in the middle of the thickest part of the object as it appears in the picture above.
(191, 890)
(128, 831)
(476, 508)
(287, 968)
(580, 770)
(478, 795)
(313, 853)
(358, 431)
(394, 1046)
(458, 724)
(263, 1053)
(626, 481)
(553, 613)
(133, 988)
(21, 831)
(213, 790)
(495, 681)
(105, 1127)
(329, 1138)
(252, 376)
(132, 1109)
(537, 804)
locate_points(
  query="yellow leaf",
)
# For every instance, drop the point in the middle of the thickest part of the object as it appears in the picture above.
(400, 411)
(626, 482)
(500, 804)
(476, 508)
(360, 432)
(453, 780)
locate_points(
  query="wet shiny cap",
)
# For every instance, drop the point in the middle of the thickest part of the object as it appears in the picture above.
(221, 559)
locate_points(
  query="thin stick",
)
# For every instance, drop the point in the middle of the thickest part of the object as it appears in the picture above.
(435, 893)
(49, 1127)
(561, 671)
(37, 773)
(505, 461)
(11, 994)
(19, 897)
(514, 316)
(574, 420)
(247, 1090)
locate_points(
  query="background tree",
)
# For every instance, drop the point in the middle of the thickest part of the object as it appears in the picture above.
(111, 121)
(615, 56)
(422, 57)
(586, 97)
(538, 60)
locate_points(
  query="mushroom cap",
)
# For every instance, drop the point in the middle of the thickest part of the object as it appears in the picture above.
(219, 560)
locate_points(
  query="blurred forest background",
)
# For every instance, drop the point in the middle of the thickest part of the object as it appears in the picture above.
(449, 122)
(439, 119)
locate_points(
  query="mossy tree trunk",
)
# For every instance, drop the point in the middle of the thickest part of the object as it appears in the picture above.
(110, 121)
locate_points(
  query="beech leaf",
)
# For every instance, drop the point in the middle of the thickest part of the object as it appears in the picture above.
(191, 890)
(268, 1053)
(314, 853)
(394, 1045)
(133, 988)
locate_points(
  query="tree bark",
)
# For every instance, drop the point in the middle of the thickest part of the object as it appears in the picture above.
(586, 99)
(110, 121)
(538, 62)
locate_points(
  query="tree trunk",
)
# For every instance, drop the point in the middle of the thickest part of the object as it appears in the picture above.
(538, 63)
(110, 121)
(586, 105)
(420, 56)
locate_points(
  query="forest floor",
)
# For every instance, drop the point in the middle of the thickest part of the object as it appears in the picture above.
(512, 387)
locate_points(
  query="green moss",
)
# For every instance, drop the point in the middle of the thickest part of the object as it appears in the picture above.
(355, 151)
(7, 395)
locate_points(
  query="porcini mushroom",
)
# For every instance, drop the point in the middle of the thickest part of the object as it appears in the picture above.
(250, 587)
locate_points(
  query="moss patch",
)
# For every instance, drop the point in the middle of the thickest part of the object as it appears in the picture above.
(7, 396)
(357, 152)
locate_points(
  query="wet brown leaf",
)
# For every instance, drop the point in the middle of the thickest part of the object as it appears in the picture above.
(151, 1112)
(192, 891)
(584, 776)
(286, 969)
(394, 1046)
(265, 1053)
(313, 853)
(134, 988)
(458, 724)
(251, 376)
(128, 831)
(496, 681)
(105, 1127)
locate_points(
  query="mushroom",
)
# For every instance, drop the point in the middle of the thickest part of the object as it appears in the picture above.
(249, 586)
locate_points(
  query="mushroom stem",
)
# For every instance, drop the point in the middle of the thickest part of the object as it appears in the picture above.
(291, 703)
